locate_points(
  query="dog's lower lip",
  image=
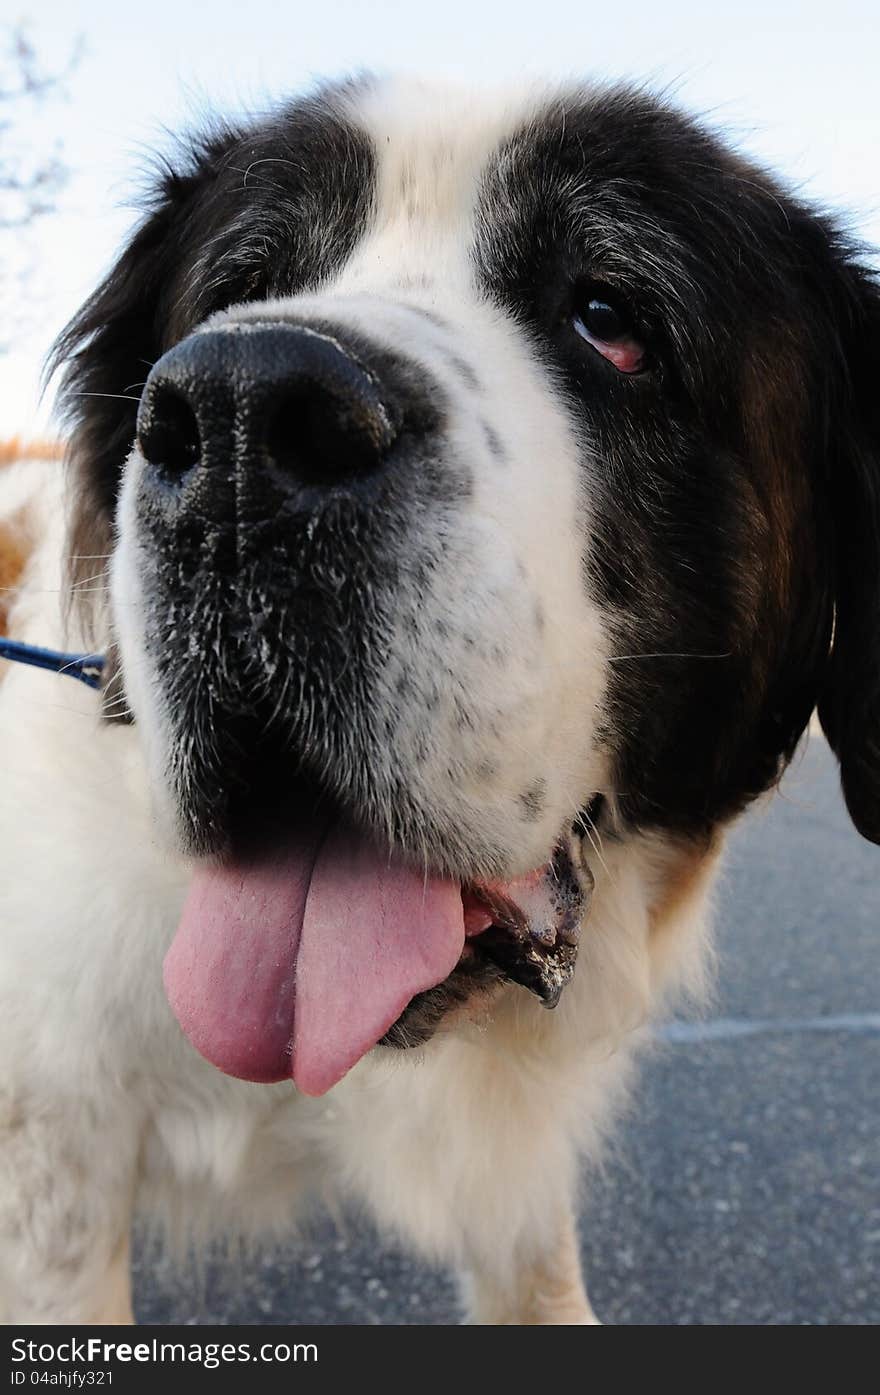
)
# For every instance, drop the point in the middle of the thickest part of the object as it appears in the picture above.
(534, 953)
(544, 970)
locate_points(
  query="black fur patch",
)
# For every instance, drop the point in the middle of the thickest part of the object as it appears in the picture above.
(710, 547)
(493, 441)
(533, 800)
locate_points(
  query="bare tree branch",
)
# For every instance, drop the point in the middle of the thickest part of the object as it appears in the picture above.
(30, 181)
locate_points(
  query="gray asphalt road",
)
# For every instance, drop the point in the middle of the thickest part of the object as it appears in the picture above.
(746, 1183)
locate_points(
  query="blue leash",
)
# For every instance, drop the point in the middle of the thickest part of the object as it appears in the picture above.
(86, 667)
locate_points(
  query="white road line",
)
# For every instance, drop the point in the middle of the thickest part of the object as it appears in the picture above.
(729, 1028)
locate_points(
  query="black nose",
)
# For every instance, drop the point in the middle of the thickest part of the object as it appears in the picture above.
(265, 394)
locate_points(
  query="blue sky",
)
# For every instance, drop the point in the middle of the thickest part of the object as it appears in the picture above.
(794, 84)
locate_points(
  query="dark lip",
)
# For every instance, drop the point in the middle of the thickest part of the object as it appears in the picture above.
(543, 969)
(537, 958)
(489, 961)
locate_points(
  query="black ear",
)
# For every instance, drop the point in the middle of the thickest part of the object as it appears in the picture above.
(107, 350)
(849, 705)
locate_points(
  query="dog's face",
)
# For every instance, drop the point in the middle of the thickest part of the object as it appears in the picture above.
(467, 461)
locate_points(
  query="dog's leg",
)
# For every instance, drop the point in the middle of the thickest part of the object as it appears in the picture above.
(545, 1287)
(92, 1286)
(114, 1294)
(65, 1213)
(81, 1280)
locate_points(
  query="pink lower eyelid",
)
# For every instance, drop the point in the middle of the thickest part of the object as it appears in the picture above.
(627, 356)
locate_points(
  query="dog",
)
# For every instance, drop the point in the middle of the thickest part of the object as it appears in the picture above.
(472, 496)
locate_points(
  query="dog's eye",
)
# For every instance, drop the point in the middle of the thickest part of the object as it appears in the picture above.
(607, 327)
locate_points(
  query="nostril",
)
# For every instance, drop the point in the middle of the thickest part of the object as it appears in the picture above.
(316, 435)
(169, 438)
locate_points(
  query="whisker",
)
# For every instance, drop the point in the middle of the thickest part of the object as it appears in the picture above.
(268, 160)
(122, 396)
(595, 844)
(621, 658)
(583, 821)
(83, 582)
(66, 668)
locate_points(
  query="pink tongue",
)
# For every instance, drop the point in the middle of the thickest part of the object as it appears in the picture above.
(297, 963)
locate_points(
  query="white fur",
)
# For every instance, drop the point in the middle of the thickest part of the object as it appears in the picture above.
(470, 1148)
(104, 1104)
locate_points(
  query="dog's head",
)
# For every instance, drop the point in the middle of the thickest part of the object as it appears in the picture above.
(468, 466)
